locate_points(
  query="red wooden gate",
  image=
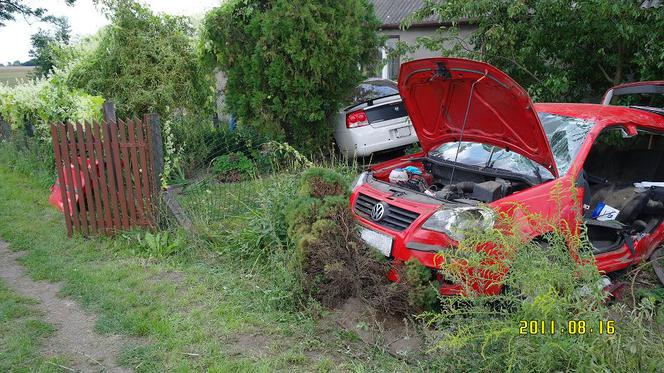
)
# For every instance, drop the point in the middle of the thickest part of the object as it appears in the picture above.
(106, 177)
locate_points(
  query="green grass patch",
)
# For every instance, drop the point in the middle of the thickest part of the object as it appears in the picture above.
(11, 75)
(23, 334)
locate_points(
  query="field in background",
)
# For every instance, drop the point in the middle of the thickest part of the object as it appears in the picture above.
(12, 74)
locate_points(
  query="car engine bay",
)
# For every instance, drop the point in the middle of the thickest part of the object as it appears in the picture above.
(445, 181)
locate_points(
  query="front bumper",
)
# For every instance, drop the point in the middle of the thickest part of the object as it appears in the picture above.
(413, 242)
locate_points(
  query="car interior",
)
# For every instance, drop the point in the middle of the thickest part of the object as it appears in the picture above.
(615, 163)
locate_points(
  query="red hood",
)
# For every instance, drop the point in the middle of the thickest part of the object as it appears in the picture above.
(436, 92)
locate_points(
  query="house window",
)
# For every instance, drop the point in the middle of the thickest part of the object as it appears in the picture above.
(392, 65)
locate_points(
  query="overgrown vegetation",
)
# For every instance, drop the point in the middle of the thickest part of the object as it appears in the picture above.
(144, 63)
(32, 105)
(558, 50)
(289, 63)
(228, 300)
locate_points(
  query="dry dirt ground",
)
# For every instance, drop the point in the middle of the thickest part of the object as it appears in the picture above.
(74, 337)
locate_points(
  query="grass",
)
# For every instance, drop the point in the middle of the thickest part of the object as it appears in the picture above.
(23, 334)
(201, 308)
(11, 75)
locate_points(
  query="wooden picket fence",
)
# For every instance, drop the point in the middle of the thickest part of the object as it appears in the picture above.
(106, 174)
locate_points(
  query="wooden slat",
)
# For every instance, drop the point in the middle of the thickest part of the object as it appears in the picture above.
(73, 147)
(110, 172)
(103, 185)
(148, 136)
(89, 189)
(117, 166)
(68, 183)
(58, 167)
(136, 175)
(126, 171)
(151, 178)
(145, 170)
(94, 188)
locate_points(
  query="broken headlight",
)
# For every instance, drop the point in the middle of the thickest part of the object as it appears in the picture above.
(361, 179)
(459, 221)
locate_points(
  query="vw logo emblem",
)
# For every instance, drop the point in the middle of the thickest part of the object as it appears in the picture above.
(379, 211)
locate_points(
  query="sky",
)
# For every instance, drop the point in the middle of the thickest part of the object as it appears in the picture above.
(84, 18)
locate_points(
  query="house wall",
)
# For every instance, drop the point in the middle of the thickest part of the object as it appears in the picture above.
(410, 37)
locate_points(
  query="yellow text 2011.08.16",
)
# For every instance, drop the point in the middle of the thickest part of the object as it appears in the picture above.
(572, 327)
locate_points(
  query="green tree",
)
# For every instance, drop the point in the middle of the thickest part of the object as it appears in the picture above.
(144, 63)
(290, 63)
(558, 49)
(47, 44)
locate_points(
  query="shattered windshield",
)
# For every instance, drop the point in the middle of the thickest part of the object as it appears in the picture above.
(565, 134)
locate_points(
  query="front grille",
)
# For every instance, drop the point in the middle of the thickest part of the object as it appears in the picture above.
(396, 218)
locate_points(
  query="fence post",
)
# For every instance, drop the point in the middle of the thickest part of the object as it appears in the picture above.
(157, 147)
(5, 130)
(109, 112)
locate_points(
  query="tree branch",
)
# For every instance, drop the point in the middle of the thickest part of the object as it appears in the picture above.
(463, 45)
(606, 75)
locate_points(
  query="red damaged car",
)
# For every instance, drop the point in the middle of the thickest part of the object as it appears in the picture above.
(488, 150)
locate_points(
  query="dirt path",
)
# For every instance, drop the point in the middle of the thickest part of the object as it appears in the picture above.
(74, 337)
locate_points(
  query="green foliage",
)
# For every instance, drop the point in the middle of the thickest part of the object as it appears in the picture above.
(145, 63)
(43, 101)
(47, 44)
(559, 50)
(318, 182)
(9, 9)
(233, 167)
(289, 63)
(552, 280)
(420, 294)
(159, 244)
(29, 156)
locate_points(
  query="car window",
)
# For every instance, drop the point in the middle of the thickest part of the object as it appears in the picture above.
(373, 90)
(565, 134)
(649, 95)
(639, 99)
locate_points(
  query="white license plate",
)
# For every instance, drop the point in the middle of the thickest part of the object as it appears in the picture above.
(378, 241)
(402, 132)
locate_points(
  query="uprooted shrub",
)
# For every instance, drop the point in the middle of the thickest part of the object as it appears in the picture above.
(335, 264)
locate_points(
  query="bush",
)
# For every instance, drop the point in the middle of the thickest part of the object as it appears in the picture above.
(33, 105)
(144, 63)
(290, 63)
(233, 167)
(321, 182)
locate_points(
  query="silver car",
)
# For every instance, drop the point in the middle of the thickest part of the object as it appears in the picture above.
(375, 121)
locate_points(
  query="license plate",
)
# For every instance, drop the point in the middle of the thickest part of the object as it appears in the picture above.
(402, 132)
(378, 241)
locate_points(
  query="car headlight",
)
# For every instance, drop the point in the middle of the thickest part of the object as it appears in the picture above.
(361, 179)
(459, 221)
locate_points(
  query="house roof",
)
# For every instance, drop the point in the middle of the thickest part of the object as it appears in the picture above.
(393, 12)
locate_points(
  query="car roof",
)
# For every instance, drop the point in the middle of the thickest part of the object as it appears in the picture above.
(604, 115)
(379, 81)
(636, 84)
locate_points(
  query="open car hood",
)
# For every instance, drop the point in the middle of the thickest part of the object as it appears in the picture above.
(437, 95)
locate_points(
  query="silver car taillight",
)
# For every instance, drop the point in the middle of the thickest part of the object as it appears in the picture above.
(356, 119)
